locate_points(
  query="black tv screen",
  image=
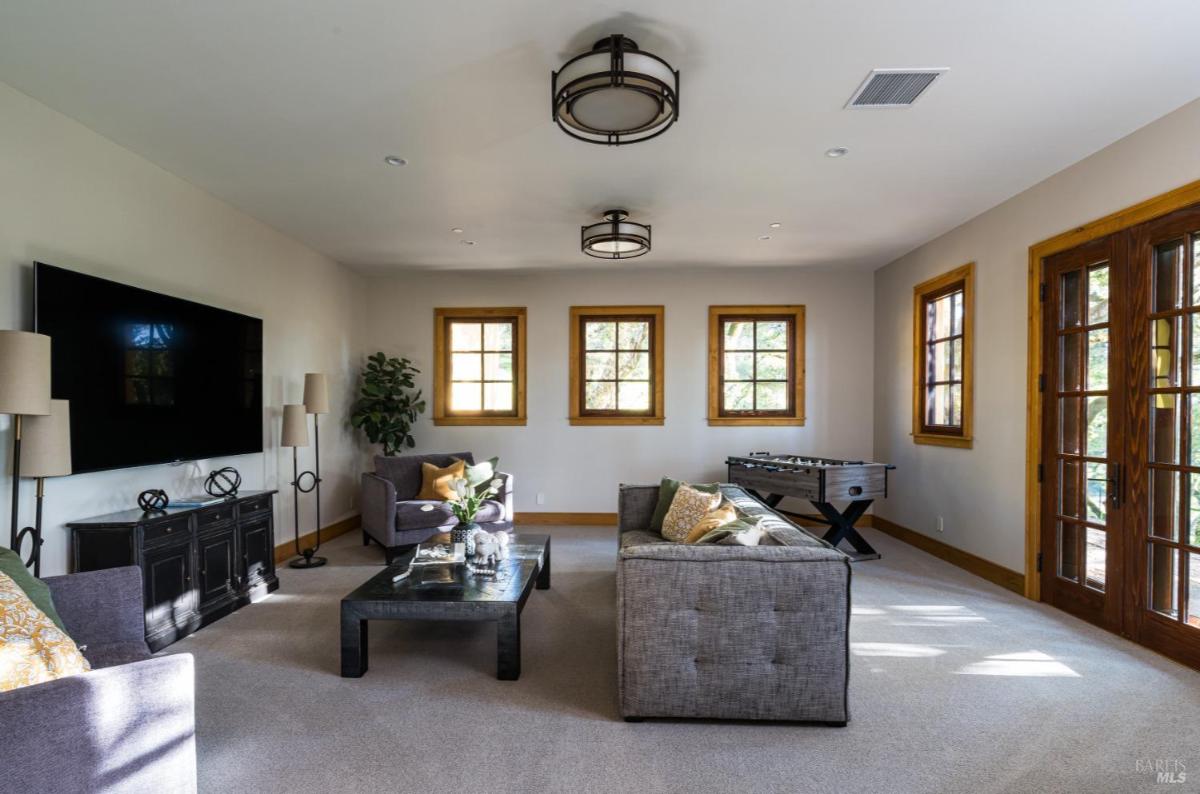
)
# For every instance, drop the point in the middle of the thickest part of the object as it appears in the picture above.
(151, 378)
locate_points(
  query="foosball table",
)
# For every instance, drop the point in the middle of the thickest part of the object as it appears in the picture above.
(821, 481)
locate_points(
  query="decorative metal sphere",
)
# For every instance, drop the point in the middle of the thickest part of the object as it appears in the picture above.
(153, 499)
(223, 482)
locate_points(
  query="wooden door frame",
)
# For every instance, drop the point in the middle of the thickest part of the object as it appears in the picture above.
(1141, 212)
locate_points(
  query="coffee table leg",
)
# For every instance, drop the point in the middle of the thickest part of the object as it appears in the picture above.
(543, 580)
(508, 646)
(354, 645)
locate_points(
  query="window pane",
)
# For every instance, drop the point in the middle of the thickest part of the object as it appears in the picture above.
(634, 336)
(739, 396)
(465, 336)
(1097, 426)
(739, 366)
(465, 397)
(600, 396)
(1070, 442)
(938, 406)
(465, 366)
(956, 368)
(1164, 428)
(633, 396)
(1163, 346)
(1070, 360)
(600, 366)
(1097, 360)
(772, 335)
(1070, 297)
(739, 335)
(956, 405)
(1068, 551)
(497, 366)
(600, 335)
(1098, 294)
(1164, 505)
(1097, 557)
(940, 353)
(497, 336)
(1163, 592)
(497, 397)
(1167, 276)
(1096, 492)
(633, 366)
(771, 396)
(772, 366)
(956, 320)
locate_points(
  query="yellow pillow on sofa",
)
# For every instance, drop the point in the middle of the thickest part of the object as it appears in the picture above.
(439, 483)
(716, 518)
(32, 649)
(688, 507)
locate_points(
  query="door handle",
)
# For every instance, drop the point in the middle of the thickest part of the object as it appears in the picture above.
(1115, 484)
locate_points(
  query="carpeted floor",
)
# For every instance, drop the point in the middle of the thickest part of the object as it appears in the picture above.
(956, 686)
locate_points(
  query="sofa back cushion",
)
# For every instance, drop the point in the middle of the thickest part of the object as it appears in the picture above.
(404, 471)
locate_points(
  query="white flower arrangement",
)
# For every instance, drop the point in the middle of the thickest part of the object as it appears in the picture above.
(466, 500)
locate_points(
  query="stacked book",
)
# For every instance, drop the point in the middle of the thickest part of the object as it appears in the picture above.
(431, 557)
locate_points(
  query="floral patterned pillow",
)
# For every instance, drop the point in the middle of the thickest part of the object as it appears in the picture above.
(32, 649)
(687, 508)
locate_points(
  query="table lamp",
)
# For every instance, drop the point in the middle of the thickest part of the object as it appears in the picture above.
(316, 402)
(24, 391)
(295, 435)
(47, 453)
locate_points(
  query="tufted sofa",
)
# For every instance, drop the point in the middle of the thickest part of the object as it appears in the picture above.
(730, 632)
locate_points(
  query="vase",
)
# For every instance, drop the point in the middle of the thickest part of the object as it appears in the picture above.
(464, 533)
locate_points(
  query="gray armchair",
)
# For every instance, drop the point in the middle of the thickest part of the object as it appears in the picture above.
(129, 725)
(394, 518)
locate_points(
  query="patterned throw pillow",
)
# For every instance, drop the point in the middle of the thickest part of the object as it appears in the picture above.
(718, 517)
(438, 483)
(741, 532)
(689, 506)
(32, 649)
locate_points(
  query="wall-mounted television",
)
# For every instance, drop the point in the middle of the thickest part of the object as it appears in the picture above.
(151, 378)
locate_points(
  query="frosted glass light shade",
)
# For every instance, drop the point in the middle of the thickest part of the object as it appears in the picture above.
(46, 442)
(295, 427)
(615, 237)
(24, 373)
(316, 393)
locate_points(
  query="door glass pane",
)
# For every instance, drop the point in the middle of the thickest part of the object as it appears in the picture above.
(1163, 353)
(1069, 482)
(1195, 269)
(1096, 492)
(1194, 431)
(1096, 422)
(1097, 557)
(1195, 367)
(1097, 360)
(1193, 590)
(1068, 423)
(1164, 421)
(1167, 276)
(1068, 551)
(1071, 358)
(1164, 504)
(1193, 523)
(1163, 592)
(1071, 298)
(1098, 294)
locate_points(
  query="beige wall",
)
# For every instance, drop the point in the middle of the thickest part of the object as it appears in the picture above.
(74, 199)
(980, 492)
(579, 468)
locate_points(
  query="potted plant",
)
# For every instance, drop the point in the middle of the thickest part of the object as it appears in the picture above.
(388, 405)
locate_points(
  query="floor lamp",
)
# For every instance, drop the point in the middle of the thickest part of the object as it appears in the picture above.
(47, 454)
(295, 435)
(24, 391)
(316, 402)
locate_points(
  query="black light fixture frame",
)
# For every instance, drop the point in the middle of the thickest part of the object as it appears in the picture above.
(562, 98)
(615, 219)
(307, 557)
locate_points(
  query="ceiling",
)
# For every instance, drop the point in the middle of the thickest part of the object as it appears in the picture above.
(286, 109)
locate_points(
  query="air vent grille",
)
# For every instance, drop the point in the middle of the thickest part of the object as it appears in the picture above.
(892, 88)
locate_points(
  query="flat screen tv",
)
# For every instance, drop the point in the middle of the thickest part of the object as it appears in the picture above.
(151, 378)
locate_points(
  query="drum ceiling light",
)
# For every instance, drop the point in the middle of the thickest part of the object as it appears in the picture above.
(615, 94)
(615, 237)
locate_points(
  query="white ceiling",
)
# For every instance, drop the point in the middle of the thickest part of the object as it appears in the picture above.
(286, 108)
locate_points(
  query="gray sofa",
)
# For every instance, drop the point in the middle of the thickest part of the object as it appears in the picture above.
(127, 726)
(394, 518)
(730, 632)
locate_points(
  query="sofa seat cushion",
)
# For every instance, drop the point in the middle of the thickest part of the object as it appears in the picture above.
(111, 654)
(425, 513)
(404, 471)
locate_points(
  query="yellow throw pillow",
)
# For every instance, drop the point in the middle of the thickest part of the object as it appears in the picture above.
(716, 518)
(688, 507)
(32, 649)
(439, 483)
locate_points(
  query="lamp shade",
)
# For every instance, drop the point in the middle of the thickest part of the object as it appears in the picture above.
(295, 427)
(316, 393)
(46, 442)
(24, 373)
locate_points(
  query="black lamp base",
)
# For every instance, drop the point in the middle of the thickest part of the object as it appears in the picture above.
(307, 562)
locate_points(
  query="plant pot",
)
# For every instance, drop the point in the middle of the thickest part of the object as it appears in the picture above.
(465, 534)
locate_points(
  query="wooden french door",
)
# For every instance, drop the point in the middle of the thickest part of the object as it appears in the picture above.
(1121, 433)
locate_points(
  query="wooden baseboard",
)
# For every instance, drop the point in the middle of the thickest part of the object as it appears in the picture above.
(287, 550)
(985, 569)
(569, 519)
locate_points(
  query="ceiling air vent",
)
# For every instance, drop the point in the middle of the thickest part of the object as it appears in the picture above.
(893, 88)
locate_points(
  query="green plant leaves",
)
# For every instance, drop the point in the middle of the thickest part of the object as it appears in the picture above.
(386, 410)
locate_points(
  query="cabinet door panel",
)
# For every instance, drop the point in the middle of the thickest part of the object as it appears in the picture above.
(258, 553)
(170, 600)
(217, 568)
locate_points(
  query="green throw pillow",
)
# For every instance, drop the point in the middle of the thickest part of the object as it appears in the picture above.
(37, 590)
(481, 474)
(666, 495)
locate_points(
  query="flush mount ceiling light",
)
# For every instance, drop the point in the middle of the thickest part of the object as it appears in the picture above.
(392, 159)
(615, 94)
(615, 237)
(837, 151)
(775, 225)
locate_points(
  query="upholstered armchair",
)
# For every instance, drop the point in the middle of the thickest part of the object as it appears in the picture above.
(394, 518)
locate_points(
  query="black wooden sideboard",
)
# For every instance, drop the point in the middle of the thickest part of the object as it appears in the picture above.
(198, 564)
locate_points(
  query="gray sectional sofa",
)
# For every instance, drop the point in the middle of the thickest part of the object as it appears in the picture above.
(730, 632)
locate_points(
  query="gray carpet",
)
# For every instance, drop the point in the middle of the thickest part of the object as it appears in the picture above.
(956, 685)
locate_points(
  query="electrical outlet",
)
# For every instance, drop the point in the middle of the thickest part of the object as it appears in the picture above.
(541, 498)
(941, 526)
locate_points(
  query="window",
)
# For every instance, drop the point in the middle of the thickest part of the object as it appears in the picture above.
(942, 344)
(756, 365)
(479, 366)
(616, 365)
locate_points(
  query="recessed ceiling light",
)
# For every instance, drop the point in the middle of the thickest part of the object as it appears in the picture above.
(466, 242)
(776, 225)
(764, 237)
(392, 159)
(457, 230)
(837, 151)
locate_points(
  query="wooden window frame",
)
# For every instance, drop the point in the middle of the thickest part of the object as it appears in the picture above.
(960, 278)
(794, 414)
(581, 416)
(441, 366)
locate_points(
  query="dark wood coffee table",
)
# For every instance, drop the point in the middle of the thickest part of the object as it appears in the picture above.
(464, 597)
